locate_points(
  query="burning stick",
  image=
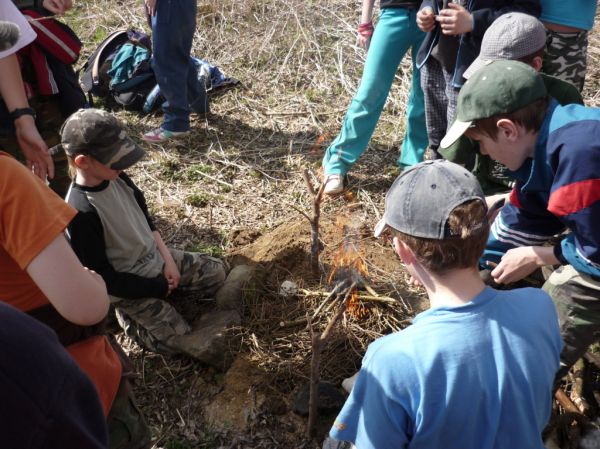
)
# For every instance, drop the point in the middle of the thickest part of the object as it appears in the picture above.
(318, 344)
(375, 298)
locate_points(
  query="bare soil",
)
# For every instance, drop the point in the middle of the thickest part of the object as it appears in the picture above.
(232, 188)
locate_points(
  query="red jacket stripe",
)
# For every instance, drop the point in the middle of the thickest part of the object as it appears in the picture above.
(573, 197)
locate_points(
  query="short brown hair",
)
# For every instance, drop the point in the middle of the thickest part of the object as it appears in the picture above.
(528, 59)
(529, 117)
(462, 251)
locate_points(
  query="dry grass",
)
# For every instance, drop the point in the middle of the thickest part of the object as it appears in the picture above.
(241, 169)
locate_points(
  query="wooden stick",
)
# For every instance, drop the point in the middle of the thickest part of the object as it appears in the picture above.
(577, 375)
(384, 299)
(314, 221)
(370, 290)
(226, 184)
(308, 182)
(329, 296)
(318, 344)
(565, 402)
(293, 323)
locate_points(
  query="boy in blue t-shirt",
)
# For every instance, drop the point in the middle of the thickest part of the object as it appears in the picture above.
(475, 371)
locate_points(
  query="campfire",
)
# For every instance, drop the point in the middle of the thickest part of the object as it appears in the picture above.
(350, 272)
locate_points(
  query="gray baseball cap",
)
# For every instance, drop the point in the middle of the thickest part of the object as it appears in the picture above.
(511, 36)
(99, 134)
(422, 198)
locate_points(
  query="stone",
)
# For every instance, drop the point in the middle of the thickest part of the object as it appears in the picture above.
(330, 443)
(231, 294)
(213, 339)
(331, 399)
(348, 383)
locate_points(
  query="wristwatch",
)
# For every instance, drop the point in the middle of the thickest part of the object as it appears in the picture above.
(19, 112)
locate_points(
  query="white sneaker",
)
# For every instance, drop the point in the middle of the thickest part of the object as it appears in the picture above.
(334, 184)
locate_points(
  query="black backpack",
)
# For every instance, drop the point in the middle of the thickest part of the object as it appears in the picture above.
(95, 81)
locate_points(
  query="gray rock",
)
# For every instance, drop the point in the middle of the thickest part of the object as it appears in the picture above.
(213, 339)
(348, 383)
(330, 399)
(330, 443)
(230, 295)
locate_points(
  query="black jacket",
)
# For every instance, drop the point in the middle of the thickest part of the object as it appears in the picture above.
(410, 4)
(484, 13)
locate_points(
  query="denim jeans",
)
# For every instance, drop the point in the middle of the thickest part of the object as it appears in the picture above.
(173, 28)
(395, 33)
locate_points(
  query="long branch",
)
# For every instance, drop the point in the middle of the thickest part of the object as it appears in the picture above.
(318, 343)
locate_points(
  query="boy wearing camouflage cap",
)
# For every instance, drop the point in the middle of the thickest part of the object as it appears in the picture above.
(114, 235)
(512, 36)
(553, 153)
(476, 369)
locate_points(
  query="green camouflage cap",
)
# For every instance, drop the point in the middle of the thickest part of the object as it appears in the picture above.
(500, 87)
(99, 134)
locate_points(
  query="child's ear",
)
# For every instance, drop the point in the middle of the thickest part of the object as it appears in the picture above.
(536, 63)
(508, 129)
(403, 251)
(81, 161)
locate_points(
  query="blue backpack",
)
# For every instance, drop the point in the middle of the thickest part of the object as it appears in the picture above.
(119, 70)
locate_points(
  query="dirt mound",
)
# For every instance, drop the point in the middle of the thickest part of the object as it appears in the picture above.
(286, 248)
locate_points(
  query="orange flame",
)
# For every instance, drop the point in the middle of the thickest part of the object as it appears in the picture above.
(355, 306)
(349, 258)
(318, 143)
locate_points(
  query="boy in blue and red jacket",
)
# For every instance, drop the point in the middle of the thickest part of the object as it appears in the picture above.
(553, 152)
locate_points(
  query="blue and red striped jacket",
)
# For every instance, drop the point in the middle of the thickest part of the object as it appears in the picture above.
(557, 190)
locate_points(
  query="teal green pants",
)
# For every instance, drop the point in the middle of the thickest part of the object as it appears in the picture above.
(394, 34)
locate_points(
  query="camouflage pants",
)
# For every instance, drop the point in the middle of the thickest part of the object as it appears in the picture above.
(566, 56)
(577, 300)
(49, 121)
(127, 427)
(151, 322)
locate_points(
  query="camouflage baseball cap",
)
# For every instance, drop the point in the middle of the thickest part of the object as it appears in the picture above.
(99, 134)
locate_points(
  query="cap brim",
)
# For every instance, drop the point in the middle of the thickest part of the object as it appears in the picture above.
(457, 129)
(475, 65)
(133, 156)
(379, 228)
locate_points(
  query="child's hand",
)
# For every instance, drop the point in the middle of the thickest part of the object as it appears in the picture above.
(454, 20)
(172, 275)
(363, 41)
(414, 282)
(58, 6)
(151, 6)
(35, 150)
(516, 264)
(426, 19)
